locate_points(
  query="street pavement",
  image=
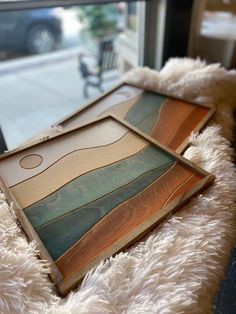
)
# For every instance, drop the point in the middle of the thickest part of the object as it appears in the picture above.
(37, 91)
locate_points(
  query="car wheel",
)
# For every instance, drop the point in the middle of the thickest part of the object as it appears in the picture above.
(40, 39)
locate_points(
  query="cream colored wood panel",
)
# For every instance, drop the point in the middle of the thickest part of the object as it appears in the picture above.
(125, 93)
(101, 134)
(76, 164)
(120, 110)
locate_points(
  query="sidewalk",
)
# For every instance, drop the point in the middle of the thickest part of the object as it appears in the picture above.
(38, 91)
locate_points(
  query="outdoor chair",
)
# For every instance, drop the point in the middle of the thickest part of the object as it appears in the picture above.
(92, 67)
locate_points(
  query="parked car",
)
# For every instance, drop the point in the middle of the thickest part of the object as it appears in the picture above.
(35, 31)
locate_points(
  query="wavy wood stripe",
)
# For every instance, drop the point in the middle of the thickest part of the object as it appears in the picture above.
(139, 110)
(146, 105)
(81, 220)
(191, 181)
(187, 126)
(146, 125)
(176, 120)
(76, 164)
(101, 134)
(125, 94)
(125, 217)
(121, 109)
(95, 184)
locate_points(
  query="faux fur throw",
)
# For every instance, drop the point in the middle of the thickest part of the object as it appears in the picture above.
(175, 269)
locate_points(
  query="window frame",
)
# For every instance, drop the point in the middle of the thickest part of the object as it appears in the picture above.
(35, 4)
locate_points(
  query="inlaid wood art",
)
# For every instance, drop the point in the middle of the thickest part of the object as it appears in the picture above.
(92, 191)
(168, 120)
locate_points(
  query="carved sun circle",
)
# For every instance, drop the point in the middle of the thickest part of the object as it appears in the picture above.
(31, 161)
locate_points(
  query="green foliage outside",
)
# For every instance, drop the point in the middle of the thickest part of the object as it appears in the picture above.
(101, 20)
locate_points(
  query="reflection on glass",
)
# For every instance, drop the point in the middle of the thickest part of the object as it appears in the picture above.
(132, 16)
(216, 42)
(34, 31)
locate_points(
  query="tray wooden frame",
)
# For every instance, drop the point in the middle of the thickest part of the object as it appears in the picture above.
(93, 102)
(64, 285)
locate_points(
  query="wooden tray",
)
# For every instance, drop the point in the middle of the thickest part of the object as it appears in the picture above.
(87, 193)
(168, 120)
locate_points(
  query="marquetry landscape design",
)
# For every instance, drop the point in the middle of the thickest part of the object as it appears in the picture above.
(85, 190)
(168, 120)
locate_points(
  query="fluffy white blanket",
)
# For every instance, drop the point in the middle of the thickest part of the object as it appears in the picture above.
(175, 269)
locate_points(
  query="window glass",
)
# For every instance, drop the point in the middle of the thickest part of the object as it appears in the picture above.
(46, 57)
(132, 16)
(215, 41)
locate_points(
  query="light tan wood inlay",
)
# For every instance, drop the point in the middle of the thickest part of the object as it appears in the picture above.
(125, 93)
(101, 134)
(76, 164)
(120, 110)
(116, 98)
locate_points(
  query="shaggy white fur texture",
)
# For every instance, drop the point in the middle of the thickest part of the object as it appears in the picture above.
(175, 269)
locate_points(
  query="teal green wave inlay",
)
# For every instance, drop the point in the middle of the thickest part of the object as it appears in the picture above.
(80, 221)
(148, 103)
(95, 184)
(147, 124)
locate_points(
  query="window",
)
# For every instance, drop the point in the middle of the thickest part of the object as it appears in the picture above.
(214, 32)
(132, 16)
(48, 48)
(44, 56)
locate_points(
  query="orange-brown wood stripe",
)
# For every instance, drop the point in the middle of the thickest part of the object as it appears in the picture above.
(176, 120)
(125, 217)
(187, 126)
(183, 188)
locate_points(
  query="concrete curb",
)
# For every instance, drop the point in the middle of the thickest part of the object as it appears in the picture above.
(33, 62)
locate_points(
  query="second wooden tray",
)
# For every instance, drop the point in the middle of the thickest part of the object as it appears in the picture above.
(168, 120)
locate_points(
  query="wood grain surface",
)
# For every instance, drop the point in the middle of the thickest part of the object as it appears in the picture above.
(99, 135)
(95, 184)
(122, 108)
(81, 220)
(166, 119)
(87, 193)
(126, 216)
(182, 119)
(147, 104)
(125, 94)
(77, 163)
